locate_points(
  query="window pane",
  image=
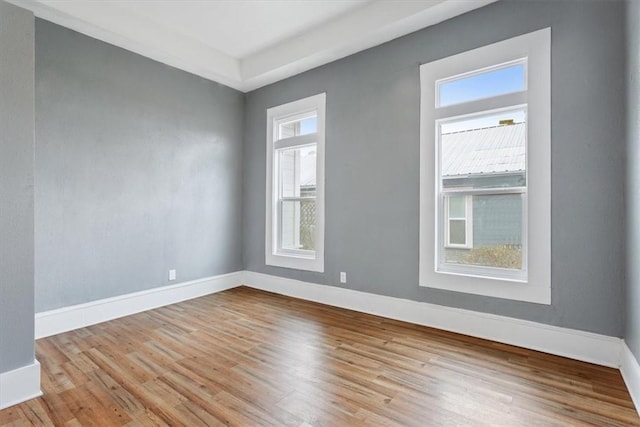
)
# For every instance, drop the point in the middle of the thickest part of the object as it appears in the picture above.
(482, 85)
(497, 233)
(298, 171)
(297, 127)
(457, 207)
(298, 225)
(457, 232)
(485, 151)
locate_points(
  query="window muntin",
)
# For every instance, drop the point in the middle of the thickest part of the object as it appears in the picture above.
(295, 185)
(510, 208)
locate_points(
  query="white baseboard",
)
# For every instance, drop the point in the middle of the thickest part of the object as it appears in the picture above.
(585, 346)
(20, 385)
(630, 370)
(589, 347)
(23, 384)
(65, 319)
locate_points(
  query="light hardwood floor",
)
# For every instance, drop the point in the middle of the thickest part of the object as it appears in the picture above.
(246, 357)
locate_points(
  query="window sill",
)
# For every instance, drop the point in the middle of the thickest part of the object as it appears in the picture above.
(535, 291)
(296, 262)
(489, 273)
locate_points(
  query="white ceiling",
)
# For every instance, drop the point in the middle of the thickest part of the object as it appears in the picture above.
(247, 44)
(239, 28)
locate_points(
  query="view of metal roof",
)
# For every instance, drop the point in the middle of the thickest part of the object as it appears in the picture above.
(497, 149)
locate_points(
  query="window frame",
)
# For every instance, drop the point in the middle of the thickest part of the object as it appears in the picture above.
(473, 110)
(535, 284)
(275, 254)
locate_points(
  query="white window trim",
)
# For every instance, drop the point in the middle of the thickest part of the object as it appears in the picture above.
(536, 47)
(468, 223)
(300, 260)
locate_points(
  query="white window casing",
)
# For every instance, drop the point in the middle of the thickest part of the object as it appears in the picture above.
(281, 139)
(533, 282)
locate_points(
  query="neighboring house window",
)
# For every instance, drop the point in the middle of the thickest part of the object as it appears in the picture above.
(295, 185)
(485, 170)
(458, 222)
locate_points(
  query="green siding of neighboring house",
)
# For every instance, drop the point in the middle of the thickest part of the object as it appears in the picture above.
(497, 220)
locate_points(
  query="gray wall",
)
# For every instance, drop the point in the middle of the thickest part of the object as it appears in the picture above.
(372, 167)
(138, 171)
(632, 321)
(16, 187)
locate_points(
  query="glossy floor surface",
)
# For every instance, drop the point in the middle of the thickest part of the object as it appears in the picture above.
(246, 357)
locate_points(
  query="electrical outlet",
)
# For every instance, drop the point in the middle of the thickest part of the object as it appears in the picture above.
(172, 275)
(343, 277)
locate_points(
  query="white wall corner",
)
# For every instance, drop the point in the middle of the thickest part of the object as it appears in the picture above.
(585, 346)
(65, 319)
(20, 385)
(630, 370)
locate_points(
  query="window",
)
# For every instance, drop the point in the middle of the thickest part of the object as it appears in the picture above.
(295, 185)
(485, 170)
(459, 222)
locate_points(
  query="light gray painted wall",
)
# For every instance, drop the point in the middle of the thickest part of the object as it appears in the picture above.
(372, 139)
(16, 187)
(632, 320)
(138, 170)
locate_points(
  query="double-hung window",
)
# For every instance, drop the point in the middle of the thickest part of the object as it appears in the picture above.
(485, 170)
(295, 185)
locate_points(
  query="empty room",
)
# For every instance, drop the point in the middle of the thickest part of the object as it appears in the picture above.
(319, 213)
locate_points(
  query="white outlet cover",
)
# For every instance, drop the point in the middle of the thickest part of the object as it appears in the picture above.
(172, 275)
(343, 277)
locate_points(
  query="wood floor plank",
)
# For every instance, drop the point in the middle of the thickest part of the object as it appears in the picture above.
(247, 357)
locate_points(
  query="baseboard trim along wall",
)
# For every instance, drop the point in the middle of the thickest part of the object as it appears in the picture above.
(19, 385)
(589, 347)
(630, 370)
(24, 383)
(65, 319)
(585, 346)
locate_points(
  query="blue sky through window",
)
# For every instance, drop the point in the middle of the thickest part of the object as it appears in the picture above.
(491, 83)
(309, 125)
